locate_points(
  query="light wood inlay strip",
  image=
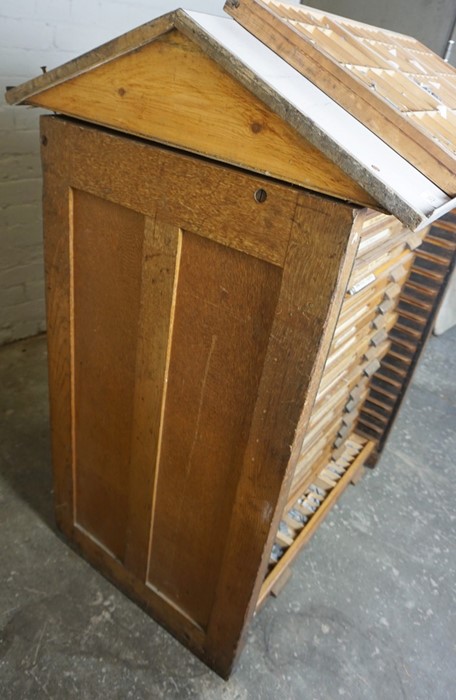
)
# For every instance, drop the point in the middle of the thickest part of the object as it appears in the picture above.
(159, 273)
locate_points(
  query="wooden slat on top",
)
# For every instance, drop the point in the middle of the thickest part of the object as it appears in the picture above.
(386, 80)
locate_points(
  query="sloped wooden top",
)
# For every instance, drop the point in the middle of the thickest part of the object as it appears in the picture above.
(393, 84)
(392, 180)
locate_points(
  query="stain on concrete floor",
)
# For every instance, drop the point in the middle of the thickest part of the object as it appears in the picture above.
(370, 612)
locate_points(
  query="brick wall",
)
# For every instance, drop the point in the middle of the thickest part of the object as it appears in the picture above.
(35, 33)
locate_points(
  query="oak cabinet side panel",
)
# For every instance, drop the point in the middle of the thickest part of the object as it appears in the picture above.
(107, 257)
(320, 255)
(225, 304)
(161, 308)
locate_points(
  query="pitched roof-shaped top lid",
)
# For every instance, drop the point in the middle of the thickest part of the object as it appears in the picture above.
(394, 85)
(396, 182)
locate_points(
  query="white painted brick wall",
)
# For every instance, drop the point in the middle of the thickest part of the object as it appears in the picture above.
(34, 33)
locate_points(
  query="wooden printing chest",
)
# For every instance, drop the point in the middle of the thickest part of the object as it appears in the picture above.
(232, 321)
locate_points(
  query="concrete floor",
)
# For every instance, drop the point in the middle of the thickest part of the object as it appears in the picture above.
(369, 613)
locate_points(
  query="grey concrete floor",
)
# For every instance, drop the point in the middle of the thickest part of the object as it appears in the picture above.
(369, 613)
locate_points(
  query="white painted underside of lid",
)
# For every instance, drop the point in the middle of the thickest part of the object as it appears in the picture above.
(351, 137)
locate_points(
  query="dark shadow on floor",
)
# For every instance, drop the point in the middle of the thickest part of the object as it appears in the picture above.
(25, 459)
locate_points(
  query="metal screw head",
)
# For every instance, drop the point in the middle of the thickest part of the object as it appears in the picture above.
(260, 196)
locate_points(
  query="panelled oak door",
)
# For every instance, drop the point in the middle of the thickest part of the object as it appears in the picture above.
(190, 308)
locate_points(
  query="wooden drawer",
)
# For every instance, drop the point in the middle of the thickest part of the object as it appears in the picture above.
(360, 341)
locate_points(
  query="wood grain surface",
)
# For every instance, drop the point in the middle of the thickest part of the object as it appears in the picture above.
(214, 340)
(107, 250)
(332, 56)
(217, 354)
(188, 324)
(319, 260)
(172, 92)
